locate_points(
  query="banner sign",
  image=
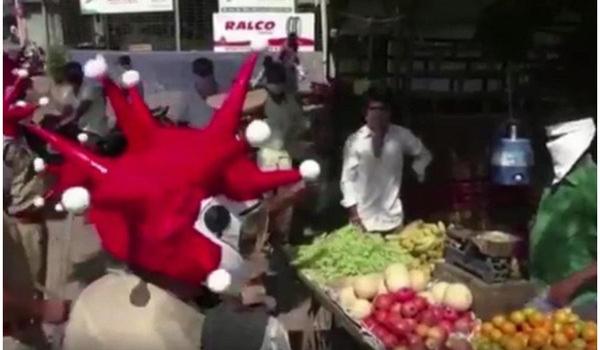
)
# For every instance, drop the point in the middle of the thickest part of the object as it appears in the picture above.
(256, 5)
(240, 32)
(93, 7)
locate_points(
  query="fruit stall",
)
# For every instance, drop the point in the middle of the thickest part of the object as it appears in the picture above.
(397, 292)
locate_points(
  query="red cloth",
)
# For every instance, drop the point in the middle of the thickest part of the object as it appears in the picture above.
(144, 203)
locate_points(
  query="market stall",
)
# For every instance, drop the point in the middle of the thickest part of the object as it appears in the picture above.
(398, 291)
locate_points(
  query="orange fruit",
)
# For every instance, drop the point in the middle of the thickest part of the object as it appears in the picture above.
(570, 332)
(560, 340)
(526, 328)
(517, 317)
(487, 328)
(589, 333)
(498, 320)
(496, 335)
(512, 344)
(529, 311)
(578, 344)
(508, 328)
(557, 327)
(561, 316)
(536, 319)
(591, 346)
(537, 340)
(522, 338)
(573, 318)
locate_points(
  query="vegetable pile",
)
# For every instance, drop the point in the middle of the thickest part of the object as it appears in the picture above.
(531, 329)
(348, 252)
(399, 309)
(423, 241)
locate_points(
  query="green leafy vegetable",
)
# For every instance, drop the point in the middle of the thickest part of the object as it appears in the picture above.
(348, 252)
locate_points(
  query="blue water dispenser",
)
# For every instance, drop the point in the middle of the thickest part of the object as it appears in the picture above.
(512, 159)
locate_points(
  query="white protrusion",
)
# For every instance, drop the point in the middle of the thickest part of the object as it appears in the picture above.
(82, 137)
(218, 281)
(258, 132)
(130, 78)
(59, 208)
(39, 165)
(310, 169)
(43, 101)
(22, 73)
(39, 201)
(95, 68)
(21, 104)
(258, 46)
(76, 200)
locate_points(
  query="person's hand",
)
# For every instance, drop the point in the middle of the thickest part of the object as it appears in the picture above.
(55, 311)
(561, 293)
(354, 218)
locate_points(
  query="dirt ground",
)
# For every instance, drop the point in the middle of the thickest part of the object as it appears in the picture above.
(73, 263)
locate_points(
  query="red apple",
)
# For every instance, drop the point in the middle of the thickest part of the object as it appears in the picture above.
(389, 340)
(428, 318)
(450, 314)
(404, 295)
(381, 316)
(420, 303)
(437, 312)
(437, 333)
(447, 326)
(422, 330)
(411, 324)
(415, 342)
(409, 309)
(392, 319)
(396, 308)
(402, 328)
(433, 343)
(463, 325)
(384, 301)
(369, 322)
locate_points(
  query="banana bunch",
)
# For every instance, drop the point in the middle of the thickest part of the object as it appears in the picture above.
(424, 241)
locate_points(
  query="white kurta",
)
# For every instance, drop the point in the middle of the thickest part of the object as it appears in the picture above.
(373, 184)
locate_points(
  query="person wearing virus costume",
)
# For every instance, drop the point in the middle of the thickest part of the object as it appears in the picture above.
(145, 204)
(24, 310)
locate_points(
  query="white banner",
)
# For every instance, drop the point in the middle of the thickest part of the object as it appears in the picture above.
(92, 7)
(239, 32)
(256, 5)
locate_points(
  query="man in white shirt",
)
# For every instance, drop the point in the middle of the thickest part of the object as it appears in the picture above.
(89, 108)
(373, 163)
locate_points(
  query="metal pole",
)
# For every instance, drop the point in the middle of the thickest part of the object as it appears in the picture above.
(325, 36)
(177, 26)
(62, 275)
(46, 24)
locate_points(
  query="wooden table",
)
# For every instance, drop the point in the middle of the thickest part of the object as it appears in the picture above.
(320, 297)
